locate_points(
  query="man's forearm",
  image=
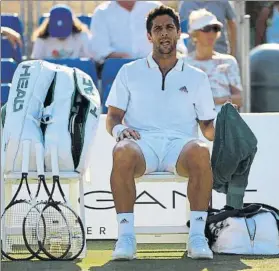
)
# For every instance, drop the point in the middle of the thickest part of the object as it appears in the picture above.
(260, 32)
(118, 55)
(232, 36)
(207, 129)
(111, 122)
(237, 100)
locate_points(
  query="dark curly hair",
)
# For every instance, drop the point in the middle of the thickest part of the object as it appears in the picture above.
(159, 11)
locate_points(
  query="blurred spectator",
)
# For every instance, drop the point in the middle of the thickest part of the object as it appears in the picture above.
(224, 13)
(253, 8)
(12, 36)
(62, 35)
(222, 69)
(267, 24)
(118, 29)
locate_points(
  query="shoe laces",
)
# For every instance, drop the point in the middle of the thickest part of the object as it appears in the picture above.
(198, 241)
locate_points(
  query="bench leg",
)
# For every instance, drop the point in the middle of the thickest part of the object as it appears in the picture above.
(82, 212)
(7, 196)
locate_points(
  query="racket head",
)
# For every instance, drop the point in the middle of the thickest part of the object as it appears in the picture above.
(13, 245)
(54, 239)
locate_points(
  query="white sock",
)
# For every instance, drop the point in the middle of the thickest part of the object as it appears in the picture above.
(197, 222)
(125, 224)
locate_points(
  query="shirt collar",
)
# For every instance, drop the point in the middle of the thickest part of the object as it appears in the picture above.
(151, 63)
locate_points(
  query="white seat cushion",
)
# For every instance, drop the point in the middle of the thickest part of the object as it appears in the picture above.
(161, 177)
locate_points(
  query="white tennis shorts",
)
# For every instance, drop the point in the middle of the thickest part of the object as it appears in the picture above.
(161, 152)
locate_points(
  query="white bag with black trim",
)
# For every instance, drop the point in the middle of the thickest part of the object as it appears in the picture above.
(22, 114)
(72, 119)
(253, 230)
(51, 105)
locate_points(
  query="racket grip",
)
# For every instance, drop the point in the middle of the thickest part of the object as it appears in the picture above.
(40, 158)
(25, 155)
(54, 161)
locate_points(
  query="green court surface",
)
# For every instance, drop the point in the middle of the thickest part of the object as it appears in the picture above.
(163, 257)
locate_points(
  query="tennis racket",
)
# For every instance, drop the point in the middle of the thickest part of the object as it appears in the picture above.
(65, 236)
(13, 245)
(33, 215)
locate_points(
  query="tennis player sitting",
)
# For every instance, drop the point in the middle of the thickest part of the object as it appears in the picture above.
(154, 105)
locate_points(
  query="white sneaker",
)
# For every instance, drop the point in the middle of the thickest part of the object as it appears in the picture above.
(125, 248)
(198, 248)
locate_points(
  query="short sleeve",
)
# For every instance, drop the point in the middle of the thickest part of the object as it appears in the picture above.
(204, 102)
(230, 14)
(38, 51)
(234, 74)
(119, 94)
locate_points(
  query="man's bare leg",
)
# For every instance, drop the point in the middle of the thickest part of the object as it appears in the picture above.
(128, 163)
(194, 162)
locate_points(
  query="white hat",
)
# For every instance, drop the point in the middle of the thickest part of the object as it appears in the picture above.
(199, 22)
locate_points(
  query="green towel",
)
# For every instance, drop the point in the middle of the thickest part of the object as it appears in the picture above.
(234, 149)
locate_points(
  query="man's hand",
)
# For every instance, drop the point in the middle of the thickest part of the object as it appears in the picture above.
(12, 36)
(128, 133)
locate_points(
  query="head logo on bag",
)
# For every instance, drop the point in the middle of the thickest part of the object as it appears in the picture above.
(89, 90)
(87, 83)
(22, 85)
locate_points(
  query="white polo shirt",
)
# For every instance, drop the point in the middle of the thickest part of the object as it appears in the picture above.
(169, 104)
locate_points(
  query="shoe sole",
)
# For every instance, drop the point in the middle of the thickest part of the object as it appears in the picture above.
(201, 257)
(123, 258)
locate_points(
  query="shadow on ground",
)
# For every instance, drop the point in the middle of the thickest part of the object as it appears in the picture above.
(220, 263)
(39, 266)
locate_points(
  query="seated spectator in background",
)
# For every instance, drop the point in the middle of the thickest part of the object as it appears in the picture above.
(253, 8)
(12, 36)
(118, 29)
(267, 25)
(62, 35)
(221, 69)
(224, 12)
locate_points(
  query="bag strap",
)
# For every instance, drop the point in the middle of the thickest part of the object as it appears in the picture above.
(215, 215)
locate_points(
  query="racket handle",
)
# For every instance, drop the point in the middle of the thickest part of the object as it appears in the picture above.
(25, 155)
(54, 161)
(40, 159)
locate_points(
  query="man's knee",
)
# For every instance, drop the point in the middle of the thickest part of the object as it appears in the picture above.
(198, 153)
(125, 153)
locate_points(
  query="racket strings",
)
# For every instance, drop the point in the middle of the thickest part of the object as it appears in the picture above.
(55, 236)
(13, 241)
(30, 227)
(77, 233)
